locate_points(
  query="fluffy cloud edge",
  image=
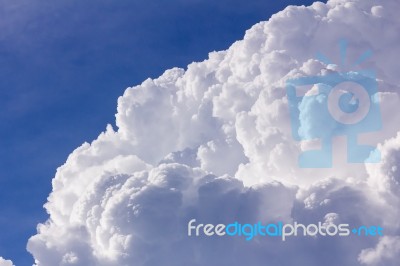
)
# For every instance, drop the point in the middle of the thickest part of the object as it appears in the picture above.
(4, 262)
(217, 135)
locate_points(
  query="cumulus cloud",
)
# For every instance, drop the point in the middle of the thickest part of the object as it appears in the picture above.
(386, 252)
(214, 143)
(4, 262)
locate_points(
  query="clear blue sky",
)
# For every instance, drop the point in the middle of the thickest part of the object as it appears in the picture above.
(63, 65)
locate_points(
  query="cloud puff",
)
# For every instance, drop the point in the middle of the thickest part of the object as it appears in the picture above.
(214, 143)
(386, 252)
(4, 262)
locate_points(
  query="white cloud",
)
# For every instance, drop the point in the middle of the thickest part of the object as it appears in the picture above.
(4, 262)
(386, 252)
(214, 143)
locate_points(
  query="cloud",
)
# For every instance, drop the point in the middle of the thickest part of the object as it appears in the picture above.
(386, 252)
(4, 262)
(214, 143)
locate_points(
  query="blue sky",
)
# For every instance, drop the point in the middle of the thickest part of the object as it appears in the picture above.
(63, 65)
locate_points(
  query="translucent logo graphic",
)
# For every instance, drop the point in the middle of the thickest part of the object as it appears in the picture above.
(336, 104)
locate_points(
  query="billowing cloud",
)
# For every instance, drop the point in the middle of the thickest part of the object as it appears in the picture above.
(214, 143)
